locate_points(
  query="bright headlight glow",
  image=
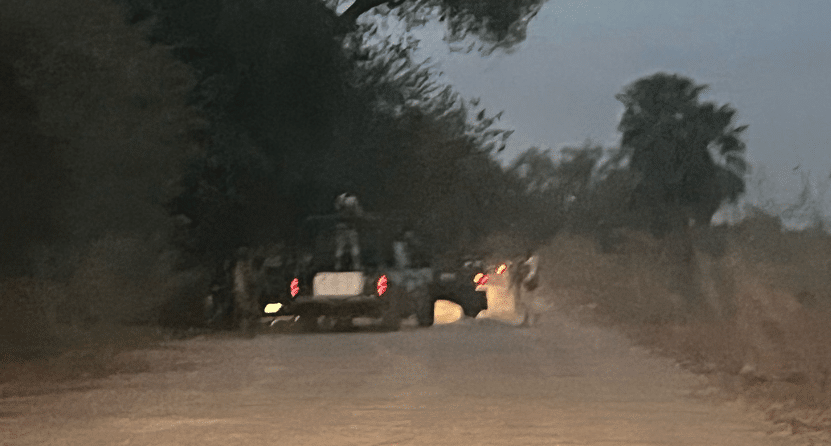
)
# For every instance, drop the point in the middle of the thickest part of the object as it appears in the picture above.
(273, 308)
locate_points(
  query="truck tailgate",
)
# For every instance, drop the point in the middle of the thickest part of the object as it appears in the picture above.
(328, 284)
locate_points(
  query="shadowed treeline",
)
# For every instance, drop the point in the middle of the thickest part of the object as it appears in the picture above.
(145, 142)
(95, 129)
(149, 141)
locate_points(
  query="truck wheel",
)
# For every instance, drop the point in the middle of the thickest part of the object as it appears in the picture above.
(308, 323)
(391, 320)
(343, 324)
(471, 311)
(425, 310)
(326, 323)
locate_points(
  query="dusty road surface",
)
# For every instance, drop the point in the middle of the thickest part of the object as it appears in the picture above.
(473, 382)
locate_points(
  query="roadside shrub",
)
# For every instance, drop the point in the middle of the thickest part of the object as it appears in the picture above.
(629, 284)
(124, 280)
(27, 315)
(749, 301)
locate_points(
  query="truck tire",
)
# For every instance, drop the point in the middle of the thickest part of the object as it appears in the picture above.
(471, 310)
(425, 309)
(391, 319)
(343, 324)
(308, 323)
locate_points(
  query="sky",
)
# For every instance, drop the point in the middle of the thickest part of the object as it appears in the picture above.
(769, 59)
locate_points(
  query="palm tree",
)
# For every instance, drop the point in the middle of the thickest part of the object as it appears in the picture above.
(690, 155)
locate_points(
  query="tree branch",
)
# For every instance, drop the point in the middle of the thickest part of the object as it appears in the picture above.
(350, 16)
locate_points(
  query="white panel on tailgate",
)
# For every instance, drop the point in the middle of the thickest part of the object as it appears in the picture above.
(338, 284)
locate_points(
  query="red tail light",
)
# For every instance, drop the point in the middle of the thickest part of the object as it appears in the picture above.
(295, 287)
(382, 285)
(480, 279)
(501, 268)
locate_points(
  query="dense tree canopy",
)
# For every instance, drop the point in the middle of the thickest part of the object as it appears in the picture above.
(33, 176)
(299, 111)
(496, 24)
(689, 153)
(231, 120)
(95, 123)
(95, 130)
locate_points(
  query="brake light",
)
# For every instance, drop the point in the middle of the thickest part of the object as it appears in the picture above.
(382, 285)
(480, 279)
(295, 287)
(501, 268)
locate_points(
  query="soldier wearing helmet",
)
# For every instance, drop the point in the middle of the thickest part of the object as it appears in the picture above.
(525, 291)
(349, 211)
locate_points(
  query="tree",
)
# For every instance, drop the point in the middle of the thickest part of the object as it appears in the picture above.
(229, 198)
(689, 154)
(536, 187)
(315, 118)
(498, 24)
(100, 114)
(303, 103)
(115, 105)
(33, 175)
(94, 131)
(536, 169)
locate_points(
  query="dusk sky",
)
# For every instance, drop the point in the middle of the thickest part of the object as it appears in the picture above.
(769, 59)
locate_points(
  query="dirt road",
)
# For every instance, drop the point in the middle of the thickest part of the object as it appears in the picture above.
(473, 382)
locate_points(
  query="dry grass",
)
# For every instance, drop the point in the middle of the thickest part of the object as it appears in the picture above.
(750, 305)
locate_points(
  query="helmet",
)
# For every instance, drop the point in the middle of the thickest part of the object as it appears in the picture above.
(346, 200)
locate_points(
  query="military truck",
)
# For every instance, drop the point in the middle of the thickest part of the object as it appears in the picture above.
(388, 287)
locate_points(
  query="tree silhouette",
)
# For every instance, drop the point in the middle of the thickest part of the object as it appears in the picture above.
(689, 154)
(309, 112)
(497, 24)
(34, 178)
(96, 121)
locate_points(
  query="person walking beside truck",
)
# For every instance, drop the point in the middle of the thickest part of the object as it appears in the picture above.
(525, 290)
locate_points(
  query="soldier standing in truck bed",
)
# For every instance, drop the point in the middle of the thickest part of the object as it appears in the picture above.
(274, 271)
(346, 233)
(417, 255)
